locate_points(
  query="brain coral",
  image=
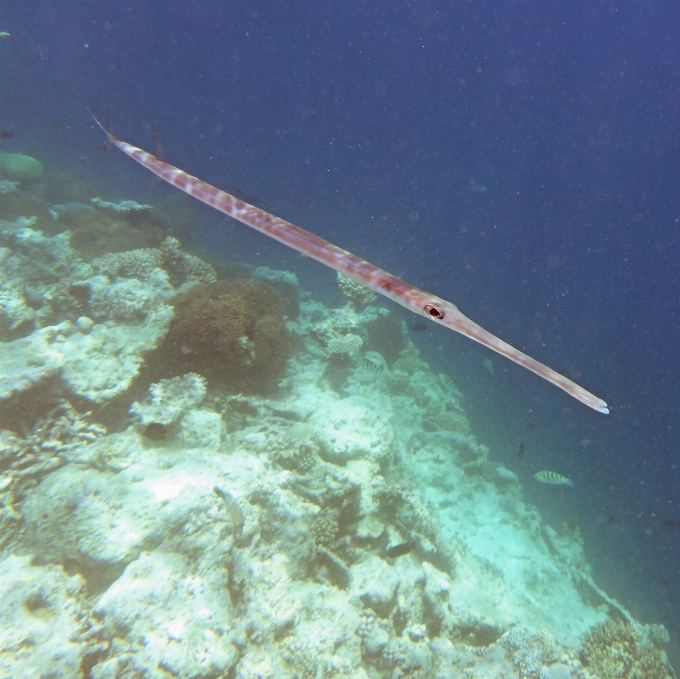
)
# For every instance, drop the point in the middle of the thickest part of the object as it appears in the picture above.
(232, 330)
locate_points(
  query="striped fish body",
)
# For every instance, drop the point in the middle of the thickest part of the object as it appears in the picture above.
(449, 385)
(553, 478)
(371, 365)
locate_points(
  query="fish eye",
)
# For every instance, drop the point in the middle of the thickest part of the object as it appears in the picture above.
(434, 311)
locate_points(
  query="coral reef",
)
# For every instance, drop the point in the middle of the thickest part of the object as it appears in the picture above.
(349, 344)
(617, 649)
(309, 514)
(356, 293)
(410, 363)
(171, 399)
(233, 330)
(183, 265)
(180, 265)
(8, 187)
(451, 420)
(44, 621)
(124, 206)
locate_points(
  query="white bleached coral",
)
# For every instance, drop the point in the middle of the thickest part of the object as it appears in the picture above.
(178, 260)
(98, 364)
(34, 267)
(41, 617)
(27, 361)
(181, 265)
(349, 344)
(170, 399)
(8, 187)
(97, 360)
(124, 206)
(184, 617)
(128, 300)
(103, 362)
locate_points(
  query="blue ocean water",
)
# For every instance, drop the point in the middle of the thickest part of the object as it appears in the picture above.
(375, 125)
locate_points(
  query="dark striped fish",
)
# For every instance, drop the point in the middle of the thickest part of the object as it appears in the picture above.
(371, 365)
(449, 385)
(553, 478)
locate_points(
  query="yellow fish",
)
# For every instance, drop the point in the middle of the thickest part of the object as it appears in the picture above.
(553, 478)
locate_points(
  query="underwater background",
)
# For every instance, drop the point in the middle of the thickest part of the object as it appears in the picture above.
(520, 160)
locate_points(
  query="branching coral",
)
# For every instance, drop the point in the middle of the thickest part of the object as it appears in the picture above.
(23, 459)
(234, 330)
(620, 650)
(58, 432)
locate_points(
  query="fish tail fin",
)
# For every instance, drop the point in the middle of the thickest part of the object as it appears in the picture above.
(109, 133)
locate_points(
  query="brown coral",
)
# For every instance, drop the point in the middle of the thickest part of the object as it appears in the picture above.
(232, 330)
(452, 421)
(619, 650)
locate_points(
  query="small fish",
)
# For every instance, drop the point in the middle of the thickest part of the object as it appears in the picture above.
(553, 479)
(4, 34)
(488, 366)
(371, 365)
(233, 509)
(400, 550)
(155, 431)
(478, 188)
(449, 385)
(520, 453)
(6, 134)
(418, 327)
